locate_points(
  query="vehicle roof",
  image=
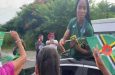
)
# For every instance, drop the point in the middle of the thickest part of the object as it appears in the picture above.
(104, 25)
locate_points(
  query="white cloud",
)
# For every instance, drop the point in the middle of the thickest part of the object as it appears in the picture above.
(8, 8)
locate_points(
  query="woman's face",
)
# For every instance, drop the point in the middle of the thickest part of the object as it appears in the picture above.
(81, 10)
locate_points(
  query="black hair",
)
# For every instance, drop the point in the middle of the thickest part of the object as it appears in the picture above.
(48, 61)
(40, 35)
(88, 11)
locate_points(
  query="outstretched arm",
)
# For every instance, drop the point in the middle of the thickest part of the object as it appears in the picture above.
(18, 63)
(63, 40)
(99, 62)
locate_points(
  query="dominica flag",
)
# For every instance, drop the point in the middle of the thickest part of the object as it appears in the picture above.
(106, 45)
(5, 57)
(1, 41)
(1, 37)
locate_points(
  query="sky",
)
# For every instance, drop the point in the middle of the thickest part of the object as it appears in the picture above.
(8, 8)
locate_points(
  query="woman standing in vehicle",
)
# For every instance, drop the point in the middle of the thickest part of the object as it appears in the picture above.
(81, 27)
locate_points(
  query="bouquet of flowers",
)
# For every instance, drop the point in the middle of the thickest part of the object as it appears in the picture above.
(78, 41)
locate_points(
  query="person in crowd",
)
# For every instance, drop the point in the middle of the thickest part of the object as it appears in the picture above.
(51, 40)
(81, 27)
(47, 62)
(14, 67)
(99, 62)
(39, 44)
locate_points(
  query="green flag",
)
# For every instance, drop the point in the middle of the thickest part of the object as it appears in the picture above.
(106, 45)
(6, 57)
(1, 41)
(1, 37)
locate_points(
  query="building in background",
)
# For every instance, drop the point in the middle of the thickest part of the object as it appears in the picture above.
(104, 26)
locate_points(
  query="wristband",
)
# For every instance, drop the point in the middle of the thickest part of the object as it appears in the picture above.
(18, 41)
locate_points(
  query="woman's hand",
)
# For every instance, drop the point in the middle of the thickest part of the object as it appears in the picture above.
(15, 35)
(83, 51)
(99, 62)
(61, 43)
(19, 62)
(73, 43)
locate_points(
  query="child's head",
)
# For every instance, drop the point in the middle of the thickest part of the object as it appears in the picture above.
(40, 37)
(48, 61)
(51, 35)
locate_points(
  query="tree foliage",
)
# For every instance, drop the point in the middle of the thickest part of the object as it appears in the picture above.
(53, 16)
(102, 10)
(33, 19)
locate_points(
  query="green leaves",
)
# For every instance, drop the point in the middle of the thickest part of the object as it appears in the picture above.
(53, 16)
(102, 10)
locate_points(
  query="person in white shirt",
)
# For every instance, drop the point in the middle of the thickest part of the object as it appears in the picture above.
(51, 40)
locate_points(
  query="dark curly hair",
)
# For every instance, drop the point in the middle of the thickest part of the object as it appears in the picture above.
(48, 61)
